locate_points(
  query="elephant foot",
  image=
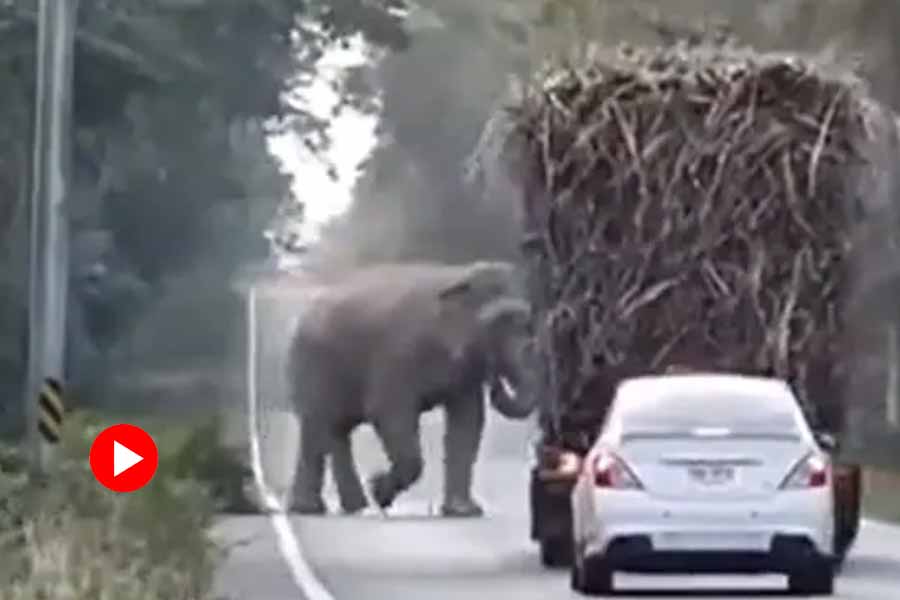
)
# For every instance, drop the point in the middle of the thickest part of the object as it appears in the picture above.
(352, 506)
(461, 508)
(383, 490)
(309, 506)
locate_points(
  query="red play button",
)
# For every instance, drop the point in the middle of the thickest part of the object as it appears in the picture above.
(124, 458)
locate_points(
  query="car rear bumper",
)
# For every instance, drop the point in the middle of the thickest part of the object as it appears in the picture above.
(641, 532)
(636, 553)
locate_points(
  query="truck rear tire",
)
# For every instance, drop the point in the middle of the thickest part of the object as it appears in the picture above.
(847, 496)
(556, 552)
(593, 578)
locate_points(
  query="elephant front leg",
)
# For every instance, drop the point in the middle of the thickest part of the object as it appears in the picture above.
(462, 439)
(399, 435)
(346, 478)
(310, 471)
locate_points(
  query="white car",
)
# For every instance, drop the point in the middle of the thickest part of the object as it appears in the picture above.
(704, 473)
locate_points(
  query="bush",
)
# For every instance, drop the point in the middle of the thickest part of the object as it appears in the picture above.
(66, 536)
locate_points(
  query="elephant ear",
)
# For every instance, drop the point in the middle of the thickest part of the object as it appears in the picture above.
(505, 313)
(457, 290)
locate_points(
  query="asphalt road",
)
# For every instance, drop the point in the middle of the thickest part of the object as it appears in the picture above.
(412, 554)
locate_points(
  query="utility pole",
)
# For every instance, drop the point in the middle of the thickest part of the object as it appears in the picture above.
(48, 255)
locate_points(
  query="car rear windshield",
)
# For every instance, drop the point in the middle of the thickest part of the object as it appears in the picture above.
(730, 414)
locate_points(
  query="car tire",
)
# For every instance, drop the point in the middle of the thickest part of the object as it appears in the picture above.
(813, 580)
(837, 562)
(575, 576)
(556, 552)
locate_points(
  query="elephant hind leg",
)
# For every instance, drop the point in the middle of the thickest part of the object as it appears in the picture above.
(343, 468)
(310, 471)
(399, 435)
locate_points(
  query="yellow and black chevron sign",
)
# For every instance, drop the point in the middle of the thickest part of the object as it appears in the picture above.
(52, 408)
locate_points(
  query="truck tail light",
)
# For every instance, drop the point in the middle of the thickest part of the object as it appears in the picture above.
(611, 472)
(568, 463)
(811, 471)
(559, 464)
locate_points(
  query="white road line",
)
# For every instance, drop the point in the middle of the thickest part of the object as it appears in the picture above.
(288, 544)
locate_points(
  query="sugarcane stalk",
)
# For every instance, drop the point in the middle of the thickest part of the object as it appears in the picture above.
(689, 204)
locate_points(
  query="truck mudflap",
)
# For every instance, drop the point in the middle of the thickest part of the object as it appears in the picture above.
(551, 517)
(551, 508)
(552, 479)
(847, 507)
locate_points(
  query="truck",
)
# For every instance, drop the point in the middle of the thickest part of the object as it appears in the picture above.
(678, 211)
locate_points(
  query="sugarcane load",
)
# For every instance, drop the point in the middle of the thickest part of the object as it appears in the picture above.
(693, 206)
(689, 205)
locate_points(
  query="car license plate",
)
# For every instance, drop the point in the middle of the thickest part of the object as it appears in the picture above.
(712, 475)
(720, 541)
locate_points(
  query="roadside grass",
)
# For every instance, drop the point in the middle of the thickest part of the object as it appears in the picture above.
(68, 538)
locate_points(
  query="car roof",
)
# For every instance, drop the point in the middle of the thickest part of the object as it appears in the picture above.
(675, 396)
(707, 383)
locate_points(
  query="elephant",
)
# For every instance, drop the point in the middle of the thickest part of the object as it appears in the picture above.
(390, 342)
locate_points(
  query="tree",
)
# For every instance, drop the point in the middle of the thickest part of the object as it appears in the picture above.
(172, 102)
(411, 200)
(436, 95)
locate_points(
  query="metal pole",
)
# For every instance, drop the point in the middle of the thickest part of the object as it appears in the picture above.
(49, 227)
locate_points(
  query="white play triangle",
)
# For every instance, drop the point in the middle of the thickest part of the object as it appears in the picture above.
(123, 458)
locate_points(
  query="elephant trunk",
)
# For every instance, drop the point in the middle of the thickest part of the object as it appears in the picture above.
(507, 400)
(507, 338)
(512, 388)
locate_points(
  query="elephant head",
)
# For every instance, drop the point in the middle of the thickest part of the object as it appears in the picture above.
(497, 328)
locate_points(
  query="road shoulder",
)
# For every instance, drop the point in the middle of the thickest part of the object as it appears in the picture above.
(254, 568)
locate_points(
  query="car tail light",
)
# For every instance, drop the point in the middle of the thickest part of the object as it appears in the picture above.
(610, 471)
(812, 471)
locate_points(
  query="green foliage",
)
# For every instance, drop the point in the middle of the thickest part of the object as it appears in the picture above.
(173, 100)
(411, 201)
(437, 94)
(204, 459)
(67, 537)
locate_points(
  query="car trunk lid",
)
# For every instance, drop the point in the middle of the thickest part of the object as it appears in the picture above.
(703, 465)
